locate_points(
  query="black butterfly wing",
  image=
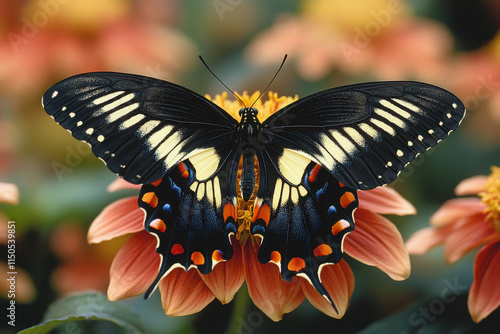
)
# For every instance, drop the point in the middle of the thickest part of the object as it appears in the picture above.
(365, 134)
(175, 142)
(301, 219)
(193, 220)
(319, 150)
(140, 127)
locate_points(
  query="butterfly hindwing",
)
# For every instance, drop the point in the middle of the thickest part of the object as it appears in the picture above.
(140, 127)
(365, 134)
(192, 219)
(302, 224)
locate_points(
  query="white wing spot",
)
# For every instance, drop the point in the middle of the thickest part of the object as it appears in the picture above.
(390, 118)
(355, 135)
(384, 126)
(410, 143)
(72, 114)
(399, 153)
(389, 164)
(420, 137)
(63, 109)
(448, 115)
(100, 138)
(121, 112)
(89, 131)
(441, 123)
(454, 105)
(79, 123)
(431, 131)
(408, 105)
(107, 97)
(369, 130)
(54, 94)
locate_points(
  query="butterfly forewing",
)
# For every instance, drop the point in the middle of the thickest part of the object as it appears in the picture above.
(365, 134)
(140, 127)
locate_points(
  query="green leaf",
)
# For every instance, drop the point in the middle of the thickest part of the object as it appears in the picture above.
(83, 307)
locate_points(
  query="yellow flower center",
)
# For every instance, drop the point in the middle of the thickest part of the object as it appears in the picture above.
(265, 108)
(491, 197)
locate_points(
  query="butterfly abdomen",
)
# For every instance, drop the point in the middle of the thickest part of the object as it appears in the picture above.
(247, 182)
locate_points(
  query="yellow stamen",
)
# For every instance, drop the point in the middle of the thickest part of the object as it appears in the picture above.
(267, 108)
(491, 197)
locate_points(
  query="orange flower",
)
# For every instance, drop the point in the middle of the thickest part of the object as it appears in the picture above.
(463, 224)
(185, 292)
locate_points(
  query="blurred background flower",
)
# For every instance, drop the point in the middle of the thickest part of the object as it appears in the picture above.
(453, 44)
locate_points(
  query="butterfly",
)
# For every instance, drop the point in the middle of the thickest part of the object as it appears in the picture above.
(312, 157)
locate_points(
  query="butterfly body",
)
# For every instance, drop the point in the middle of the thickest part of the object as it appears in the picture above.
(301, 167)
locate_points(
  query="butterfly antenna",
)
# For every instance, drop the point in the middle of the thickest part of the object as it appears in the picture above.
(270, 82)
(229, 89)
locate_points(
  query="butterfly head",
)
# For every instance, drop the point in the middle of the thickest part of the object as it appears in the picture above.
(248, 112)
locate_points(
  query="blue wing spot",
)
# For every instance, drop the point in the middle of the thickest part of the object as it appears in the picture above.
(258, 229)
(332, 210)
(167, 208)
(231, 228)
(321, 191)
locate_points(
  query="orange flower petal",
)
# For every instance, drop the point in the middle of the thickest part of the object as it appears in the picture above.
(377, 242)
(119, 218)
(269, 291)
(9, 193)
(338, 280)
(385, 200)
(184, 292)
(134, 268)
(472, 185)
(121, 184)
(455, 209)
(484, 294)
(426, 239)
(227, 277)
(467, 234)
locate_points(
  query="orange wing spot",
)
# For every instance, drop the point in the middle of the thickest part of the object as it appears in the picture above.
(296, 264)
(340, 226)
(197, 258)
(346, 199)
(229, 211)
(314, 173)
(263, 212)
(183, 170)
(177, 249)
(217, 256)
(159, 225)
(276, 257)
(156, 183)
(341, 185)
(322, 250)
(151, 199)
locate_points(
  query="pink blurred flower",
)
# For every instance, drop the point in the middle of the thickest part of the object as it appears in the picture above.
(41, 39)
(352, 37)
(462, 225)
